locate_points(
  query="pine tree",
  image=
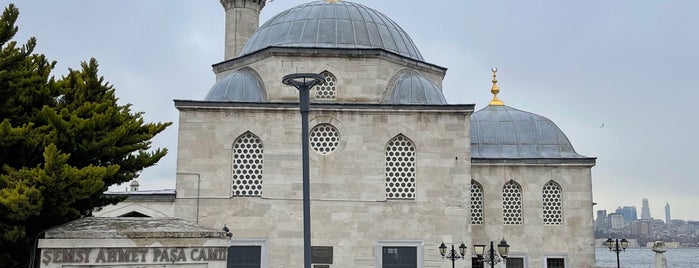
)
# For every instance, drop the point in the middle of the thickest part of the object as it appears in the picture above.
(63, 142)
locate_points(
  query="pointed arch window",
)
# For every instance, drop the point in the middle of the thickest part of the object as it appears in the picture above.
(247, 165)
(512, 203)
(328, 89)
(476, 202)
(553, 210)
(400, 168)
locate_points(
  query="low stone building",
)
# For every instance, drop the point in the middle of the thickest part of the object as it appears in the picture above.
(133, 242)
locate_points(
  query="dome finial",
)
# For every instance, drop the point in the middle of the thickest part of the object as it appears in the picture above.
(332, 1)
(494, 89)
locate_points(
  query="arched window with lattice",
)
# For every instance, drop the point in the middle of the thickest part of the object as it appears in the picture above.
(512, 203)
(247, 166)
(328, 89)
(400, 168)
(476, 202)
(552, 203)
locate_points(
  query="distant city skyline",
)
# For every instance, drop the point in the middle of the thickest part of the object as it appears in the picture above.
(661, 212)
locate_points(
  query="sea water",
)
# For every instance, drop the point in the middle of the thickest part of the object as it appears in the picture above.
(645, 258)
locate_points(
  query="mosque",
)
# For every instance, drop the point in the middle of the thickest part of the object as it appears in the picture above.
(395, 169)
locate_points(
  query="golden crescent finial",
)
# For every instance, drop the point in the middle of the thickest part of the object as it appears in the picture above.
(332, 1)
(494, 89)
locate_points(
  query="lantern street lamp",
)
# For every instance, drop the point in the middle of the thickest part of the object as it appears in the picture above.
(452, 255)
(492, 258)
(615, 246)
(304, 82)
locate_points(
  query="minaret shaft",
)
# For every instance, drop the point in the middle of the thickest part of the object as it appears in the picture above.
(242, 19)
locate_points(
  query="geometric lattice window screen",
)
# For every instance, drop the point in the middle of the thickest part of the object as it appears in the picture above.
(512, 203)
(324, 138)
(247, 166)
(476, 203)
(551, 195)
(400, 168)
(326, 90)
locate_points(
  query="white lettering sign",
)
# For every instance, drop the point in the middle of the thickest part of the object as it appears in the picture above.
(131, 255)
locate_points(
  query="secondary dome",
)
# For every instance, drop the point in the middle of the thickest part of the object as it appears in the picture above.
(412, 88)
(499, 131)
(340, 24)
(242, 85)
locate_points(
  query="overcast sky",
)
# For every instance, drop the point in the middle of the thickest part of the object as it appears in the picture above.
(628, 65)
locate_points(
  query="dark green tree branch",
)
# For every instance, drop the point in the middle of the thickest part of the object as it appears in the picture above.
(63, 142)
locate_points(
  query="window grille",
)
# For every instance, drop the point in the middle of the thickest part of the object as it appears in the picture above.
(551, 196)
(476, 203)
(555, 263)
(400, 168)
(327, 89)
(324, 138)
(247, 166)
(512, 203)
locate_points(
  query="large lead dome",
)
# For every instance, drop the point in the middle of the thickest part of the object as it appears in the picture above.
(502, 132)
(324, 24)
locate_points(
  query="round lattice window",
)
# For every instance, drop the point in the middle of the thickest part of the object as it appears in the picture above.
(326, 90)
(400, 169)
(512, 203)
(552, 204)
(476, 203)
(247, 166)
(324, 138)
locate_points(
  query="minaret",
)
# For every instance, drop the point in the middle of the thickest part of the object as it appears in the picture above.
(242, 19)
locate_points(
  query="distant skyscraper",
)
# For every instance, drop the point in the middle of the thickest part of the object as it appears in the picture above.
(642, 228)
(629, 213)
(616, 221)
(645, 210)
(602, 219)
(667, 213)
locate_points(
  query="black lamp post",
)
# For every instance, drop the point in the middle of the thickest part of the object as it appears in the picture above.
(614, 245)
(452, 255)
(304, 82)
(492, 258)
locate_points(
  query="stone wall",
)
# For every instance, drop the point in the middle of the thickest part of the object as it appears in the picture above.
(349, 208)
(573, 240)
